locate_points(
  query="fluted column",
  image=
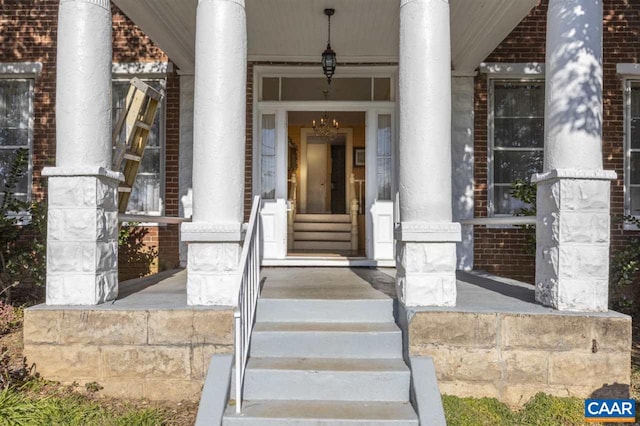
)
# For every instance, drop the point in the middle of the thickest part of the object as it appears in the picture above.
(425, 248)
(572, 229)
(82, 233)
(218, 154)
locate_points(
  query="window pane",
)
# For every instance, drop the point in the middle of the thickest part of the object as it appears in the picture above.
(503, 203)
(384, 157)
(635, 133)
(14, 137)
(270, 89)
(519, 132)
(312, 89)
(14, 104)
(145, 196)
(150, 161)
(7, 158)
(512, 165)
(635, 167)
(519, 99)
(384, 178)
(268, 154)
(635, 201)
(635, 100)
(381, 89)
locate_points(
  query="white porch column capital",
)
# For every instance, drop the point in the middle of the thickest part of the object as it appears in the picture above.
(573, 194)
(82, 218)
(425, 239)
(218, 154)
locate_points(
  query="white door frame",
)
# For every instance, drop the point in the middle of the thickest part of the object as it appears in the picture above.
(305, 132)
(371, 110)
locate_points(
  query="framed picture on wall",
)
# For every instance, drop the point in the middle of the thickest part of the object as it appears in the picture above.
(358, 156)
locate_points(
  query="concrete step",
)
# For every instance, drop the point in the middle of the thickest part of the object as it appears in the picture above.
(326, 340)
(324, 310)
(322, 236)
(322, 227)
(327, 379)
(322, 245)
(333, 218)
(334, 413)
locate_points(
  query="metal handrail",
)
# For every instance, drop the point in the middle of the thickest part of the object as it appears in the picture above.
(248, 295)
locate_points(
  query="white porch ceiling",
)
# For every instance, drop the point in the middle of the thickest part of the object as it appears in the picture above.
(361, 30)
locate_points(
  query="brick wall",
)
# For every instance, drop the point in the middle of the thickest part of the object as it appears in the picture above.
(29, 32)
(502, 251)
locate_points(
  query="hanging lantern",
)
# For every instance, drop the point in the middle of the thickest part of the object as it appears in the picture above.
(329, 56)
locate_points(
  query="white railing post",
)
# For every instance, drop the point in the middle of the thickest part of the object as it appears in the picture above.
(291, 214)
(354, 214)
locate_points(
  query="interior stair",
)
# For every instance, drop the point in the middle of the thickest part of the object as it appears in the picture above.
(324, 353)
(322, 232)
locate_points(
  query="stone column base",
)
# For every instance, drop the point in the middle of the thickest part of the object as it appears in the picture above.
(213, 275)
(426, 263)
(82, 236)
(572, 239)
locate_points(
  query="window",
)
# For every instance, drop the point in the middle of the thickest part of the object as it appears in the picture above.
(147, 194)
(632, 146)
(16, 130)
(516, 139)
(268, 157)
(383, 172)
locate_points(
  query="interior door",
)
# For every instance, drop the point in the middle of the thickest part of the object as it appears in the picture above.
(317, 178)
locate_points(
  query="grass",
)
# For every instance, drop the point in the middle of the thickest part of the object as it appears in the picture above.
(541, 410)
(27, 406)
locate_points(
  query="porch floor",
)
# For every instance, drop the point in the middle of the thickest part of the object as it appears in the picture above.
(477, 291)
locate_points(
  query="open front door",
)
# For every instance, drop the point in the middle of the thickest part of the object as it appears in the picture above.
(273, 183)
(380, 185)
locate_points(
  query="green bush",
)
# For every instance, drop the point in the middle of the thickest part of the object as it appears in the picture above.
(22, 234)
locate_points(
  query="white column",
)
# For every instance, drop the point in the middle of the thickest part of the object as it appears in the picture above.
(572, 230)
(82, 233)
(462, 157)
(425, 248)
(218, 154)
(185, 182)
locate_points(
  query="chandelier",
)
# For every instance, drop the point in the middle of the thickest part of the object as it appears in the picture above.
(329, 56)
(326, 128)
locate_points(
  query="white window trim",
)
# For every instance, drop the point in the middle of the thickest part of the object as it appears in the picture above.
(630, 74)
(25, 71)
(149, 71)
(503, 73)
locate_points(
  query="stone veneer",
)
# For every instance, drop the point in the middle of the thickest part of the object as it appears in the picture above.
(155, 354)
(513, 356)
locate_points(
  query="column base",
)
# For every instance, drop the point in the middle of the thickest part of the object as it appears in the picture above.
(572, 239)
(82, 236)
(213, 274)
(426, 263)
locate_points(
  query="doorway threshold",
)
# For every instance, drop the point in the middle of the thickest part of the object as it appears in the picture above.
(337, 261)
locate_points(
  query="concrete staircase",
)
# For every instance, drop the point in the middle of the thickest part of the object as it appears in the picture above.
(324, 352)
(322, 232)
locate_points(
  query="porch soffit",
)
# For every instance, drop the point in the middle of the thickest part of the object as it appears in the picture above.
(361, 30)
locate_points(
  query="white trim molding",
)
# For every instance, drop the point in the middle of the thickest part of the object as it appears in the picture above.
(20, 69)
(141, 69)
(628, 69)
(513, 70)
